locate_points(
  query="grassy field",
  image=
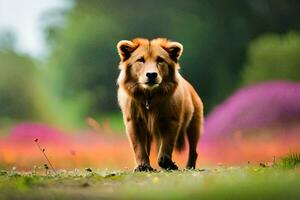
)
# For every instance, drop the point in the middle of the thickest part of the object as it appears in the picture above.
(248, 182)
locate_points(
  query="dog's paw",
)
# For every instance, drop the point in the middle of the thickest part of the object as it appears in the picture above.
(144, 168)
(167, 163)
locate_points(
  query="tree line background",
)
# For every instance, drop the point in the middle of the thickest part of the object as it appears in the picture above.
(227, 45)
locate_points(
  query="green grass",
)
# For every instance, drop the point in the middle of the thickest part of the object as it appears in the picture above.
(290, 161)
(249, 182)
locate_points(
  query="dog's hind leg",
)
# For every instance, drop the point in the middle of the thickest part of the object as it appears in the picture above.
(193, 134)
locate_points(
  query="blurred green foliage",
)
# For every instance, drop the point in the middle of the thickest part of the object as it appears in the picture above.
(17, 83)
(215, 36)
(79, 76)
(273, 56)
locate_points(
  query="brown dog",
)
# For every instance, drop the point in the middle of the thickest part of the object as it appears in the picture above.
(157, 102)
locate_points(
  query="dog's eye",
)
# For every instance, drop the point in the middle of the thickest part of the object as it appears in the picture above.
(160, 60)
(141, 59)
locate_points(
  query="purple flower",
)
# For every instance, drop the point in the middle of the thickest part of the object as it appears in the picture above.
(253, 107)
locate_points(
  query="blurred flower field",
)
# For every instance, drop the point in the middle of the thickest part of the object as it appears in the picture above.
(236, 133)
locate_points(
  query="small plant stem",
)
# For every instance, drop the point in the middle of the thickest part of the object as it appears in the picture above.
(43, 151)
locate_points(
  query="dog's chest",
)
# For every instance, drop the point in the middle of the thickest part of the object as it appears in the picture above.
(151, 119)
(154, 117)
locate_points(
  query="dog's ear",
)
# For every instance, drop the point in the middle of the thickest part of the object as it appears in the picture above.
(174, 49)
(125, 49)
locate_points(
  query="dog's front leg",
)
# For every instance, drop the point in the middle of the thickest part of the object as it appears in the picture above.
(168, 134)
(140, 143)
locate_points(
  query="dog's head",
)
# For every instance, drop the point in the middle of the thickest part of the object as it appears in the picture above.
(149, 65)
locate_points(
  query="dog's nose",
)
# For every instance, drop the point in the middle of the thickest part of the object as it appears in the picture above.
(151, 75)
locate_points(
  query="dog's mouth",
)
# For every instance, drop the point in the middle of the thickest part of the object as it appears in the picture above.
(150, 84)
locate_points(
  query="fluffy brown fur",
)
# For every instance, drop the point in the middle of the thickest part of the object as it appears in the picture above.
(157, 102)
